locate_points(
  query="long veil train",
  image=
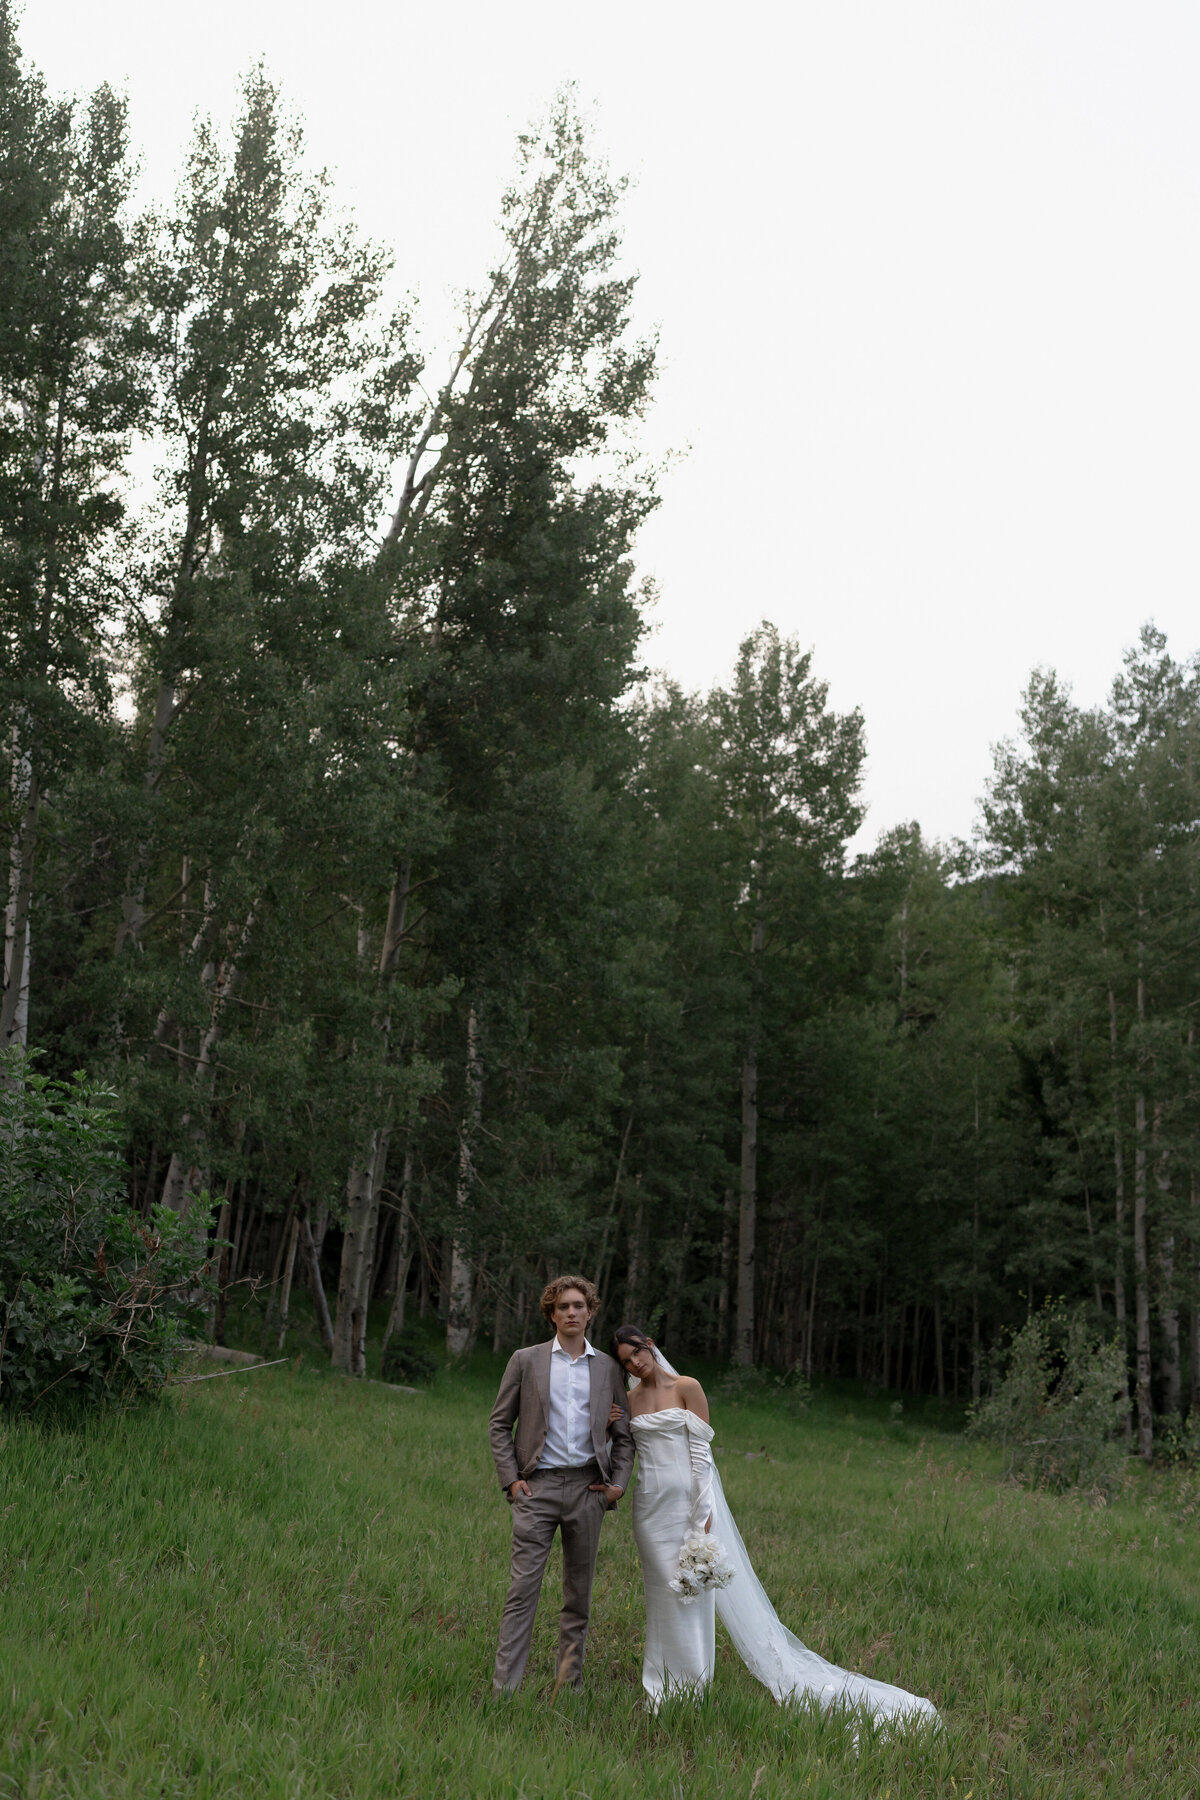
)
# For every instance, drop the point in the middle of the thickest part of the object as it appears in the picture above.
(773, 1654)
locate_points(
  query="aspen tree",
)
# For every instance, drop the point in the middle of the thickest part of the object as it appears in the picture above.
(789, 769)
(281, 398)
(508, 542)
(72, 390)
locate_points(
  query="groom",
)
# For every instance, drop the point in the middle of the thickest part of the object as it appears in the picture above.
(562, 1472)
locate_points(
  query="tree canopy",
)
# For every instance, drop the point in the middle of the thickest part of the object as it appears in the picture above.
(352, 849)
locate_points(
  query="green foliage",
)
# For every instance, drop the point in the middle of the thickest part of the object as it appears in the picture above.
(72, 389)
(1058, 1407)
(73, 385)
(94, 1299)
(1177, 1440)
(370, 803)
(408, 1358)
(788, 1391)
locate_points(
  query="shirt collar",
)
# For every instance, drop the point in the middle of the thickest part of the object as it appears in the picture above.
(556, 1348)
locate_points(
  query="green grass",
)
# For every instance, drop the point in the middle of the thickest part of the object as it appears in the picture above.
(287, 1586)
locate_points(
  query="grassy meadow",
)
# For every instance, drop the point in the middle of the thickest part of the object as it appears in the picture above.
(287, 1586)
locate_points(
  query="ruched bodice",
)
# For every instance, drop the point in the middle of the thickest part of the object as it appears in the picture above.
(670, 1418)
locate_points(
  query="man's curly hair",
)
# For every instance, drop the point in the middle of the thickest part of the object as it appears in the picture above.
(559, 1285)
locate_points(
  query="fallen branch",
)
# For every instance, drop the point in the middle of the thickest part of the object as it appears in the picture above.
(217, 1373)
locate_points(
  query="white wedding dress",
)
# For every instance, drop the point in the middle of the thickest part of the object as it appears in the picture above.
(674, 1482)
(678, 1487)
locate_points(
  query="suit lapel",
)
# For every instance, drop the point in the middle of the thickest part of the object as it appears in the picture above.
(541, 1376)
(601, 1397)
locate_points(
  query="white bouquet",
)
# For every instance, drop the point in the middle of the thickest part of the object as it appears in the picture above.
(703, 1564)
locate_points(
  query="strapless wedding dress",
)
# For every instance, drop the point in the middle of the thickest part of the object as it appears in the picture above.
(673, 1483)
(678, 1488)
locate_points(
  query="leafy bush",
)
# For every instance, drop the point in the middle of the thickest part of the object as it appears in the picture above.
(1176, 1440)
(1059, 1405)
(789, 1390)
(94, 1301)
(408, 1359)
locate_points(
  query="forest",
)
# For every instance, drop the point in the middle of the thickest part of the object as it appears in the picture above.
(429, 942)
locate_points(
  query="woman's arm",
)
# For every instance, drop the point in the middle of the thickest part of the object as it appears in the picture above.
(622, 1437)
(693, 1397)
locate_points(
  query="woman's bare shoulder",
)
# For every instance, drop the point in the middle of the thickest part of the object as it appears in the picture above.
(693, 1396)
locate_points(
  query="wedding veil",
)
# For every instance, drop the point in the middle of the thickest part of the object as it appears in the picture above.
(772, 1653)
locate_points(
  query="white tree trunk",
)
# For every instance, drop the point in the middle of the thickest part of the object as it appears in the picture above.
(184, 1180)
(1141, 1278)
(1141, 1260)
(614, 1207)
(729, 1215)
(1118, 1192)
(403, 1252)
(364, 1184)
(1118, 1176)
(460, 1326)
(366, 1258)
(743, 1347)
(14, 1005)
(462, 1278)
(15, 1028)
(289, 1269)
(636, 1255)
(312, 1255)
(1168, 1309)
(358, 1254)
(1194, 1196)
(187, 1173)
(133, 901)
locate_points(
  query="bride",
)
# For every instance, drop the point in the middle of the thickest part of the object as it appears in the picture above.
(679, 1495)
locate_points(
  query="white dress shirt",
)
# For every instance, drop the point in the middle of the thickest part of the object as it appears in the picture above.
(569, 1427)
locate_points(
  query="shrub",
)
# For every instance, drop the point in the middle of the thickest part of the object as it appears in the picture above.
(408, 1359)
(1059, 1405)
(1177, 1440)
(788, 1390)
(94, 1301)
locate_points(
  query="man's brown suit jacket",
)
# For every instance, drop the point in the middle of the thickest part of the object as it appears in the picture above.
(524, 1401)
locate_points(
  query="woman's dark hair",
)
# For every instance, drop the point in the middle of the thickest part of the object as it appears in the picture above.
(634, 1336)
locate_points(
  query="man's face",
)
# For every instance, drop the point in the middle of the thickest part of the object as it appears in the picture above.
(571, 1313)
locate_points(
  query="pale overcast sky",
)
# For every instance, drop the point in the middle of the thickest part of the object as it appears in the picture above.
(928, 284)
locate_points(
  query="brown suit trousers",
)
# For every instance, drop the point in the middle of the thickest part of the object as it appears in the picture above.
(560, 1500)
